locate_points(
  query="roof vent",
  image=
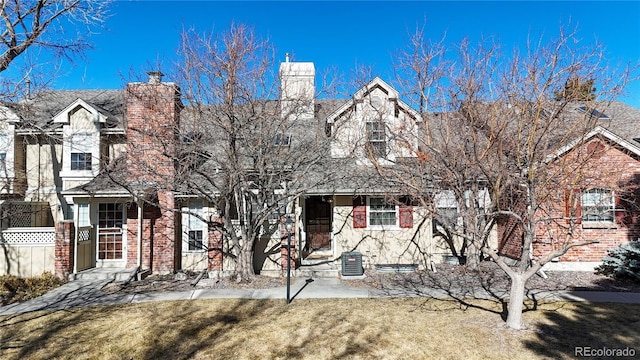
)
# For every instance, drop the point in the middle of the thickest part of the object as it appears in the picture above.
(155, 77)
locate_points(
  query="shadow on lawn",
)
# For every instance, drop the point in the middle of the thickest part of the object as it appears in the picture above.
(460, 284)
(594, 325)
(186, 329)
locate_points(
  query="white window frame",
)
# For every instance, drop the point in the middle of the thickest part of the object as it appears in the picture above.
(374, 141)
(595, 203)
(192, 217)
(6, 148)
(81, 143)
(83, 214)
(395, 211)
(447, 200)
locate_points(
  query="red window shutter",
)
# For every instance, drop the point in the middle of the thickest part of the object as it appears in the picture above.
(620, 211)
(406, 216)
(573, 206)
(359, 212)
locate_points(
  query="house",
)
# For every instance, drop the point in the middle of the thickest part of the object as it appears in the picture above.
(597, 203)
(90, 182)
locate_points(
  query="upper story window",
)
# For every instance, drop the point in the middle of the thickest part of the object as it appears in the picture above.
(598, 204)
(282, 139)
(81, 156)
(376, 139)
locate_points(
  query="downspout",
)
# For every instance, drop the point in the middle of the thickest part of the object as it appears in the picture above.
(139, 240)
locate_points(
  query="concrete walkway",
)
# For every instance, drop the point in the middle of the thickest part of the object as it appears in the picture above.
(87, 293)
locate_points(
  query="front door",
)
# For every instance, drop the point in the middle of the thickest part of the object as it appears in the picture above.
(318, 224)
(86, 238)
(111, 247)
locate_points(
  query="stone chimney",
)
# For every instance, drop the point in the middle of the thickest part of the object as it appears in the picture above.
(297, 89)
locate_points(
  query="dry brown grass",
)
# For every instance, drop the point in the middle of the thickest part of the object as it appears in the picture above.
(16, 289)
(315, 329)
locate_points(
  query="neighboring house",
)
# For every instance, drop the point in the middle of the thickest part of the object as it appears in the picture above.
(79, 160)
(599, 203)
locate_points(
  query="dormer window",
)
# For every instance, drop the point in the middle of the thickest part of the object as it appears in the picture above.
(376, 139)
(81, 156)
(283, 139)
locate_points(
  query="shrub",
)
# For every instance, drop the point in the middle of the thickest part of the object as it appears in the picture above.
(623, 262)
(16, 289)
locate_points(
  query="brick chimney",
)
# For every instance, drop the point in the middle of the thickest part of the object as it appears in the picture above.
(152, 121)
(153, 116)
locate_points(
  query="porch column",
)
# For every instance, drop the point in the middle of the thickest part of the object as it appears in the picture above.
(64, 248)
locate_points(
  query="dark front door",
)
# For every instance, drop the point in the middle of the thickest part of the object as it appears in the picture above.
(318, 215)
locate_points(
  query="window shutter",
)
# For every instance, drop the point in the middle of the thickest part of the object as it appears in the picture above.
(359, 212)
(620, 211)
(406, 216)
(573, 206)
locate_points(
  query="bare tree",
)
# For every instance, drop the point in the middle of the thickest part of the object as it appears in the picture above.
(245, 145)
(45, 25)
(493, 124)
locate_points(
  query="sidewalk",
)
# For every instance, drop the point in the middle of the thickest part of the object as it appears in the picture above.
(87, 293)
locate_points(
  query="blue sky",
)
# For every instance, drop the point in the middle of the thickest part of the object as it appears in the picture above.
(141, 34)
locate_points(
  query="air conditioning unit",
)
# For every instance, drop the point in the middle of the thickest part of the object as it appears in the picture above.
(352, 264)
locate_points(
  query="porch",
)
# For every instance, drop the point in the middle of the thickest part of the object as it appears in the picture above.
(117, 274)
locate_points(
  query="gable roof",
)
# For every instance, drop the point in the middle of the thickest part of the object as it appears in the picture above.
(41, 108)
(623, 120)
(598, 131)
(100, 114)
(363, 92)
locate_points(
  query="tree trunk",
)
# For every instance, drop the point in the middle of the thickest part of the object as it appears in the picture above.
(245, 263)
(516, 301)
(473, 257)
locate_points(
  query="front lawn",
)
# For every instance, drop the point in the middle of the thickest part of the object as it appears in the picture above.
(412, 328)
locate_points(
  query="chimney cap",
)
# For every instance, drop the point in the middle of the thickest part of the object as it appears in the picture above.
(155, 77)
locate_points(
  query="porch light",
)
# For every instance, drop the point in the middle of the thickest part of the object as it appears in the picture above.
(288, 224)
